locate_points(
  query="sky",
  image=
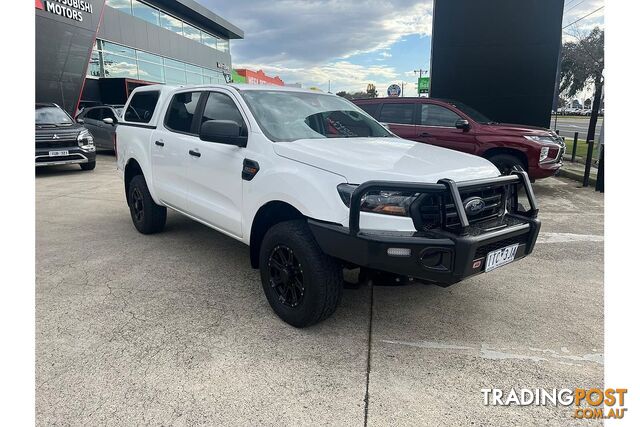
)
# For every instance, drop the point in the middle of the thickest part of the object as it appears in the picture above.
(349, 43)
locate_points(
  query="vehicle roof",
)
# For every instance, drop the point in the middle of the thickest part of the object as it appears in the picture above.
(407, 98)
(237, 86)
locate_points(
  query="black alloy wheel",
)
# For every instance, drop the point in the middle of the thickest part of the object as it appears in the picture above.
(137, 205)
(285, 276)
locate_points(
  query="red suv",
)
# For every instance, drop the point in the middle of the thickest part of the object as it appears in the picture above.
(453, 125)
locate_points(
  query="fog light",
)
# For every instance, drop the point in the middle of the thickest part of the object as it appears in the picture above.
(399, 252)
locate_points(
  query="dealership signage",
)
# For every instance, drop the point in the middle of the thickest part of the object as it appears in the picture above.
(394, 90)
(423, 85)
(70, 9)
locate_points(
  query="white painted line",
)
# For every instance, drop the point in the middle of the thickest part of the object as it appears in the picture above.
(568, 238)
(490, 352)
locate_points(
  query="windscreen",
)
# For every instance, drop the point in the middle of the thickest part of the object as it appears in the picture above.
(51, 115)
(289, 116)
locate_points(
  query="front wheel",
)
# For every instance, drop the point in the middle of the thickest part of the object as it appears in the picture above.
(88, 166)
(506, 163)
(302, 284)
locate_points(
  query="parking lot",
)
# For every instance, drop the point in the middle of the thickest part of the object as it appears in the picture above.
(174, 329)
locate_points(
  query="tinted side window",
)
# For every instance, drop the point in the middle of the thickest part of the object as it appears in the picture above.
(181, 111)
(221, 107)
(397, 113)
(141, 107)
(370, 108)
(435, 115)
(107, 113)
(94, 113)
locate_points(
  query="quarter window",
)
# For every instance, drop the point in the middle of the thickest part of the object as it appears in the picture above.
(181, 111)
(221, 107)
(141, 107)
(435, 115)
(397, 113)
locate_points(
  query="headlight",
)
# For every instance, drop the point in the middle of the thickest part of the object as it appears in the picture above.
(541, 139)
(85, 138)
(381, 202)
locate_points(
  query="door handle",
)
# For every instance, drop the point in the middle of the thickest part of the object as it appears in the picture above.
(195, 153)
(425, 134)
(159, 143)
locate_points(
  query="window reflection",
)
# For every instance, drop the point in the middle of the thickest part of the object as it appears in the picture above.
(113, 60)
(119, 66)
(170, 23)
(191, 32)
(157, 17)
(121, 5)
(145, 12)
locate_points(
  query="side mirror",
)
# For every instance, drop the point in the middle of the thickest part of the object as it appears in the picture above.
(223, 132)
(109, 120)
(462, 124)
(79, 120)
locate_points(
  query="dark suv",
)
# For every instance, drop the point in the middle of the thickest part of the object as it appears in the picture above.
(60, 140)
(453, 125)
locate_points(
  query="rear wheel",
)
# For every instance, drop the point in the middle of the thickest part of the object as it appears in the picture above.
(147, 216)
(506, 163)
(302, 284)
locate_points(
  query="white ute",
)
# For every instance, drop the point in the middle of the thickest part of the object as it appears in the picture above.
(315, 185)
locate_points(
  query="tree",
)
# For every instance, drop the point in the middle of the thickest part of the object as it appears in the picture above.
(353, 95)
(581, 66)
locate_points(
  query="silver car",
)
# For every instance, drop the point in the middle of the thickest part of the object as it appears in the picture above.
(102, 122)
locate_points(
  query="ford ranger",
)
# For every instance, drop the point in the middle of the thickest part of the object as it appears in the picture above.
(314, 185)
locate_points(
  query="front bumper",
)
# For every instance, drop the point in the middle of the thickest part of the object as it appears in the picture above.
(440, 256)
(76, 155)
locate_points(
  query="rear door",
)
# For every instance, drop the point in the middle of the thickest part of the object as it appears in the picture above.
(399, 116)
(436, 125)
(215, 171)
(170, 145)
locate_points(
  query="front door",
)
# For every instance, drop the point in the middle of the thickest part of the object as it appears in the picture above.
(215, 170)
(437, 126)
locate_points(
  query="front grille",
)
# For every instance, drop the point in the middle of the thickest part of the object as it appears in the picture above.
(63, 138)
(437, 210)
(485, 249)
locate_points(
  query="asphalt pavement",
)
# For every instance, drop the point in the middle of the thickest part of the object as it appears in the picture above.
(174, 329)
(568, 125)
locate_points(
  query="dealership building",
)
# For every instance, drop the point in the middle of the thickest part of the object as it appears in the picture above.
(97, 51)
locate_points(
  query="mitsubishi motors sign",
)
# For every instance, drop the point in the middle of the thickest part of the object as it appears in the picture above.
(70, 9)
(65, 33)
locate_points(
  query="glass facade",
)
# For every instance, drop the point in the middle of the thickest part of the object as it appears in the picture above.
(162, 19)
(114, 60)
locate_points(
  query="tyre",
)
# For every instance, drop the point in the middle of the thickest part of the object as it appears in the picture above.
(88, 166)
(506, 162)
(147, 216)
(302, 284)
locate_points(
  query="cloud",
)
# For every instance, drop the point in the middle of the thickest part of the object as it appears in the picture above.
(306, 32)
(579, 11)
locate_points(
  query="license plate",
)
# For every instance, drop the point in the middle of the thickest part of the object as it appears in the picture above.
(58, 153)
(500, 257)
